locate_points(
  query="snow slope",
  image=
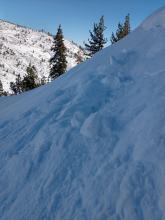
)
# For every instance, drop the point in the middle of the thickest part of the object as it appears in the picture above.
(90, 145)
(20, 46)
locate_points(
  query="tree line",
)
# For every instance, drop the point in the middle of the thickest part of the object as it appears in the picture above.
(58, 62)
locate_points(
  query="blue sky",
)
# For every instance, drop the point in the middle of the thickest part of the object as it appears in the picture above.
(76, 16)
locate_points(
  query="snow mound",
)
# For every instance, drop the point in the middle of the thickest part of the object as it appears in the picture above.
(156, 20)
(90, 145)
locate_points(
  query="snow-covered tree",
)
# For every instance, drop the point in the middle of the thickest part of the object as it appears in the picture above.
(58, 62)
(97, 41)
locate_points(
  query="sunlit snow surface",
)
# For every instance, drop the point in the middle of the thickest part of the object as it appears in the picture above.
(91, 145)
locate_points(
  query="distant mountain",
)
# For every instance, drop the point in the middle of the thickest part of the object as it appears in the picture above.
(20, 46)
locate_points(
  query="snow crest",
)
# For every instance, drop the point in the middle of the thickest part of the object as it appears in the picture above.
(156, 20)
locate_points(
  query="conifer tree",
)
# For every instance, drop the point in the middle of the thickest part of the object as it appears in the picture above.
(43, 81)
(16, 86)
(97, 41)
(79, 57)
(119, 34)
(1, 89)
(122, 31)
(30, 80)
(127, 26)
(2, 92)
(58, 63)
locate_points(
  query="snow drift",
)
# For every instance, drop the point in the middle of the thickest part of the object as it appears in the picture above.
(90, 145)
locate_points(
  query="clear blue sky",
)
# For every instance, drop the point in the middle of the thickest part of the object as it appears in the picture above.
(76, 16)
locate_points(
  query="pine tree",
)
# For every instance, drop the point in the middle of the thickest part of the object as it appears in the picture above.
(2, 92)
(1, 89)
(97, 41)
(30, 80)
(113, 38)
(119, 34)
(16, 86)
(58, 63)
(79, 57)
(43, 81)
(127, 26)
(122, 31)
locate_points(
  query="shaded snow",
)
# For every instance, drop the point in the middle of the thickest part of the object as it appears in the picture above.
(90, 145)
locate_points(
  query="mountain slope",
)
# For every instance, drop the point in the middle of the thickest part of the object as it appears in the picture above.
(20, 46)
(90, 145)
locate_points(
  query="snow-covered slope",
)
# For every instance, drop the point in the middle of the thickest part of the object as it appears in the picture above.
(90, 145)
(20, 46)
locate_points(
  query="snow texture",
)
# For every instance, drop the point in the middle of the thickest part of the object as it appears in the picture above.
(20, 46)
(156, 20)
(90, 145)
